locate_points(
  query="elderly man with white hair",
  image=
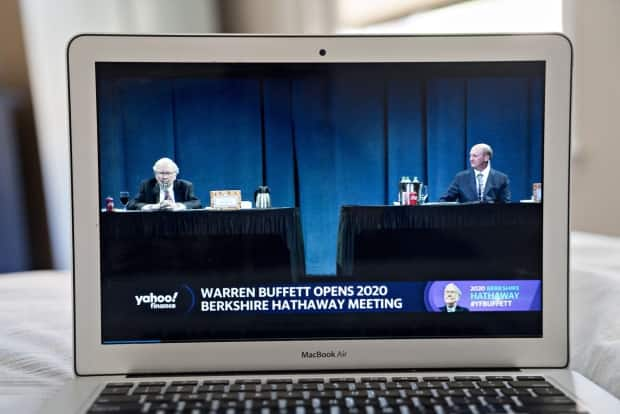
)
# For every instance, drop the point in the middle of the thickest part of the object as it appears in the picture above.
(480, 183)
(165, 191)
(451, 296)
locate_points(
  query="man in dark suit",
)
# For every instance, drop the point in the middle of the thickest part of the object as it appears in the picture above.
(451, 296)
(164, 191)
(479, 183)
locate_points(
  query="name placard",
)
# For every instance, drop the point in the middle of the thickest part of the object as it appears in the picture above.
(225, 199)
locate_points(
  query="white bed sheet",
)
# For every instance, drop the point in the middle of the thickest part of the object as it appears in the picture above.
(36, 325)
(594, 309)
(35, 338)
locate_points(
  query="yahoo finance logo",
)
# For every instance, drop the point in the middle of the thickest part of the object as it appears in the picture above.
(180, 299)
(158, 301)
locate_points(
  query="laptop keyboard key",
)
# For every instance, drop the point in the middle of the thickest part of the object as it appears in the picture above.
(373, 379)
(491, 384)
(482, 392)
(119, 384)
(306, 387)
(499, 378)
(547, 391)
(248, 381)
(216, 382)
(277, 387)
(244, 387)
(130, 407)
(212, 388)
(550, 409)
(398, 385)
(451, 393)
(311, 381)
(440, 379)
(115, 391)
(545, 400)
(372, 385)
(152, 384)
(158, 398)
(147, 390)
(341, 380)
(467, 378)
(530, 384)
(180, 389)
(184, 383)
(405, 379)
(419, 393)
(530, 378)
(429, 384)
(113, 399)
(338, 386)
(516, 391)
(279, 381)
(461, 384)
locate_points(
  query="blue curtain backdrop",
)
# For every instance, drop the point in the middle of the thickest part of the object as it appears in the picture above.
(320, 136)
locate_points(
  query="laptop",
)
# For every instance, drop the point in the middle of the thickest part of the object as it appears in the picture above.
(321, 224)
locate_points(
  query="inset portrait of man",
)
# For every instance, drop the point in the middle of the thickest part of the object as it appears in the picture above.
(451, 296)
(164, 191)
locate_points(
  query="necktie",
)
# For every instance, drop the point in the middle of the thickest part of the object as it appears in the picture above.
(480, 186)
(167, 195)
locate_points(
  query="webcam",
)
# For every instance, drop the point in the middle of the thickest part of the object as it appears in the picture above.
(322, 52)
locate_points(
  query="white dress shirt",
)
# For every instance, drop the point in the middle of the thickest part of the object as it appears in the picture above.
(484, 178)
(451, 309)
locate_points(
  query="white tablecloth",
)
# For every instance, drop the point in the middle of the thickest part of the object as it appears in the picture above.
(36, 325)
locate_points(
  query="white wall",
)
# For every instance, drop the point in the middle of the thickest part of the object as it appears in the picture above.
(278, 16)
(48, 26)
(479, 16)
(595, 191)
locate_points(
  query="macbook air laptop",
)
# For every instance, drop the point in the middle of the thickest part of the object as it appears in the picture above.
(321, 224)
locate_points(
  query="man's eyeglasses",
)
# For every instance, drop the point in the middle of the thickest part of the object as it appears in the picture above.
(165, 172)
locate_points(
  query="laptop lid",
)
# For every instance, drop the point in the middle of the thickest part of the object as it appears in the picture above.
(395, 186)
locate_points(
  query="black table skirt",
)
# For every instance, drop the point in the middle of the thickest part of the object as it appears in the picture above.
(467, 241)
(258, 245)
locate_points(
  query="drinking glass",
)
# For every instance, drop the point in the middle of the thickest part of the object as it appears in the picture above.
(423, 194)
(124, 197)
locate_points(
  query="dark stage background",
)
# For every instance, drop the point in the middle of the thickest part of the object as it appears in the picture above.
(320, 135)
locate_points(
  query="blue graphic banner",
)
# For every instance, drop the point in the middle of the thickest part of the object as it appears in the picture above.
(436, 296)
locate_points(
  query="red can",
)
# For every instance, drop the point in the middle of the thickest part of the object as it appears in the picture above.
(109, 204)
(413, 198)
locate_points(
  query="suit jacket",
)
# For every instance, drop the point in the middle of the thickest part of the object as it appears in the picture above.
(464, 188)
(149, 194)
(457, 309)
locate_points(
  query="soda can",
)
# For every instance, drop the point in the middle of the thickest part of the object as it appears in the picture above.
(413, 198)
(109, 204)
(537, 192)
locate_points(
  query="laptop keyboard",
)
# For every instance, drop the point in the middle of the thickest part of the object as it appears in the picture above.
(405, 394)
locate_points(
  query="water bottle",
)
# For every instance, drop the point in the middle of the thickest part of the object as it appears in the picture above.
(403, 190)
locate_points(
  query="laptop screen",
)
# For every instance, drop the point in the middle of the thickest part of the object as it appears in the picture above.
(280, 201)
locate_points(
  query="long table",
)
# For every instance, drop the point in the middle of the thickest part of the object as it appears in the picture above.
(440, 242)
(258, 245)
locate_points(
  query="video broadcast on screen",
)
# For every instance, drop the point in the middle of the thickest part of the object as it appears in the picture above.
(320, 200)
